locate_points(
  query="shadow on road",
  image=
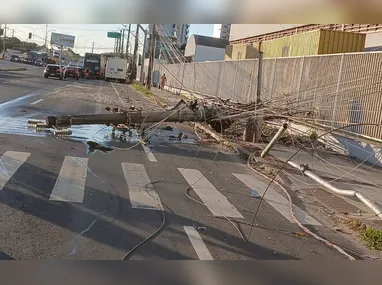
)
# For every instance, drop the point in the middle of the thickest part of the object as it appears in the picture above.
(119, 226)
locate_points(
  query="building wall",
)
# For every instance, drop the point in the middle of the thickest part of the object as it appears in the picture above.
(239, 31)
(204, 53)
(190, 47)
(373, 40)
(303, 44)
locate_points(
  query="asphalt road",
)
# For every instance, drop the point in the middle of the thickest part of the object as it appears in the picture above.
(61, 200)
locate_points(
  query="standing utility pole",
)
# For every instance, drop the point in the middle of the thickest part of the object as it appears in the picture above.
(46, 34)
(141, 77)
(128, 41)
(151, 59)
(134, 63)
(5, 38)
(123, 41)
(93, 48)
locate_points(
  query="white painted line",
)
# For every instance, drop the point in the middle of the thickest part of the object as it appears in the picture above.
(36, 102)
(141, 191)
(70, 183)
(215, 201)
(83, 87)
(276, 200)
(10, 162)
(114, 88)
(149, 153)
(198, 244)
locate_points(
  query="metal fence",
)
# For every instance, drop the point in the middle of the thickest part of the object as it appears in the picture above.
(342, 88)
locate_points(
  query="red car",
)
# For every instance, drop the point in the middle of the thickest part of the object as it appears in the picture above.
(71, 72)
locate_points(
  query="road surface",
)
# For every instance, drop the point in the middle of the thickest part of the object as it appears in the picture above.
(61, 200)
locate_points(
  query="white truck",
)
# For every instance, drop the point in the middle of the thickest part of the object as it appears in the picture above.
(116, 69)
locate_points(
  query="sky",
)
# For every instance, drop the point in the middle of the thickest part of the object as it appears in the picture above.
(85, 35)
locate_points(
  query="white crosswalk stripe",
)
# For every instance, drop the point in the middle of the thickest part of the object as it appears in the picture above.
(70, 183)
(276, 200)
(215, 201)
(141, 191)
(198, 244)
(10, 162)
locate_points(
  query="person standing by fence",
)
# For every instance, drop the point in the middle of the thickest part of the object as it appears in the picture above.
(163, 81)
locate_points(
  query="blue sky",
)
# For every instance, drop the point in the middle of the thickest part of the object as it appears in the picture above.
(87, 34)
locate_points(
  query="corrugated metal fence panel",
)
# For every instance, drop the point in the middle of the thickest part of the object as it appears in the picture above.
(242, 80)
(351, 96)
(286, 79)
(328, 69)
(228, 79)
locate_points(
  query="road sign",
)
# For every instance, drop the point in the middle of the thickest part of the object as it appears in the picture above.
(114, 35)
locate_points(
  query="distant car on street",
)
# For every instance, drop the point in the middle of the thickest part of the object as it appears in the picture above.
(53, 70)
(15, 58)
(39, 62)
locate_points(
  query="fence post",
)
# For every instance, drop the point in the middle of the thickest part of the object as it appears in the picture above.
(338, 88)
(273, 78)
(221, 80)
(194, 77)
(300, 80)
(251, 82)
(181, 84)
(234, 82)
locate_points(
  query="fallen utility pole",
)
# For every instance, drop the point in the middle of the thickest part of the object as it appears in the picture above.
(305, 170)
(348, 193)
(131, 117)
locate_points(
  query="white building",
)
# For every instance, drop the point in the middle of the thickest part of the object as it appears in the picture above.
(222, 31)
(202, 48)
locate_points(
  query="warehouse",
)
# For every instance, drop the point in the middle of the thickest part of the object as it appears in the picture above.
(314, 42)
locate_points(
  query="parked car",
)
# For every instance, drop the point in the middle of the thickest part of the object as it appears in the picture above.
(81, 73)
(15, 58)
(53, 70)
(70, 72)
(25, 60)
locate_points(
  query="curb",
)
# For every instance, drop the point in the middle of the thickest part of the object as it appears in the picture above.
(14, 69)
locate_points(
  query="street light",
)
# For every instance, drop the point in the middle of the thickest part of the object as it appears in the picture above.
(77, 40)
(85, 45)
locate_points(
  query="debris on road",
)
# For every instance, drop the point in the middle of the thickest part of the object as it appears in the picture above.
(93, 146)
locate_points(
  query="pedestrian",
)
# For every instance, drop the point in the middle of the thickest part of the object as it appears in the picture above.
(163, 81)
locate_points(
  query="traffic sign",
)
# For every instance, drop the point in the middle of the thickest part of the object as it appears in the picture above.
(114, 35)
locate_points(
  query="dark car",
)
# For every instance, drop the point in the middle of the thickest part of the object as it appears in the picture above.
(30, 60)
(39, 62)
(81, 73)
(15, 58)
(53, 70)
(70, 71)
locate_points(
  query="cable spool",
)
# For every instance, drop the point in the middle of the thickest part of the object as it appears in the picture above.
(62, 132)
(34, 121)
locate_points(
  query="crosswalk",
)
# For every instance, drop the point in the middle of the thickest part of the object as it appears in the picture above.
(72, 179)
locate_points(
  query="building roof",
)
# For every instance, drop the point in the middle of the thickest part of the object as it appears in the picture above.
(210, 41)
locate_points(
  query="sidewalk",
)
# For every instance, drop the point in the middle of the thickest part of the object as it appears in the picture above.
(341, 172)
